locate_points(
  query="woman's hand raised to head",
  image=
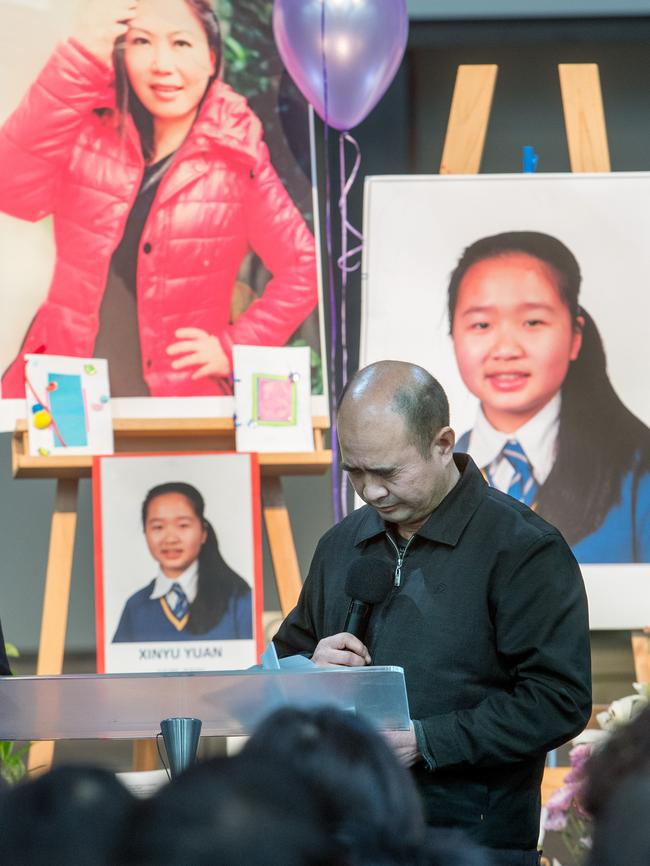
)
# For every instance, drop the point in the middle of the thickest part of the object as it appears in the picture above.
(101, 22)
(199, 349)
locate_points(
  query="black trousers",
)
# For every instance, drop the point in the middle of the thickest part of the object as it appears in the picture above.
(507, 857)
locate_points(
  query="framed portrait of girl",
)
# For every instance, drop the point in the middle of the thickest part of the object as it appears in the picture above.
(178, 582)
(157, 198)
(526, 297)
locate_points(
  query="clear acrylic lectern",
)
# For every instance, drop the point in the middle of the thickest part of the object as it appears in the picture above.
(228, 703)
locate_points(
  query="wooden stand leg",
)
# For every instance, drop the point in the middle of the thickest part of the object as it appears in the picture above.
(145, 755)
(468, 119)
(55, 602)
(641, 652)
(283, 550)
(584, 117)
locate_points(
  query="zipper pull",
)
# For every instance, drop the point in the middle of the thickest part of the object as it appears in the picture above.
(398, 571)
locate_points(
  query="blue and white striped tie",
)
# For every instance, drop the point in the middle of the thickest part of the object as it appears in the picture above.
(177, 601)
(523, 486)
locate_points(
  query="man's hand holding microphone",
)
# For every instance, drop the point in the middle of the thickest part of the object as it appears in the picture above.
(369, 582)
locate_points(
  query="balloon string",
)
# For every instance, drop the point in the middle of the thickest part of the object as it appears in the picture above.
(345, 268)
(336, 472)
(346, 226)
(341, 262)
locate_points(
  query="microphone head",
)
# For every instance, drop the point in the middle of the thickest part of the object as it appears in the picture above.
(369, 579)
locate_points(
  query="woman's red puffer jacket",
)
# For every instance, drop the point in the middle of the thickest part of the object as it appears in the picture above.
(61, 155)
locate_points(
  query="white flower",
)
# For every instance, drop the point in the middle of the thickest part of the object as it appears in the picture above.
(622, 711)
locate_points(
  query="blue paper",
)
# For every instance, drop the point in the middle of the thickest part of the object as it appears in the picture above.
(68, 409)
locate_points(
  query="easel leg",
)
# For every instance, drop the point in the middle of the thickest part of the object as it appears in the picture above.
(145, 755)
(641, 652)
(283, 550)
(56, 598)
(468, 119)
(584, 116)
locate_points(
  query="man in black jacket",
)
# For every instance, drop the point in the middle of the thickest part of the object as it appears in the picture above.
(487, 615)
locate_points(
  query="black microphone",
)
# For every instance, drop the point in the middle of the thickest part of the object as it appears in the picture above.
(368, 582)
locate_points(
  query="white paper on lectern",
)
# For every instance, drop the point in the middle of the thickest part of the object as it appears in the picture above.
(143, 783)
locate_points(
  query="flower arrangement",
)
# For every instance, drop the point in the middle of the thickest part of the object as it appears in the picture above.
(564, 808)
(12, 758)
(565, 812)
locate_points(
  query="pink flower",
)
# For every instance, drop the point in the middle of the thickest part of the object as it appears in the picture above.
(555, 821)
(579, 755)
(561, 799)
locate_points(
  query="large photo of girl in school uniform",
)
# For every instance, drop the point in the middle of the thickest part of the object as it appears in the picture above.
(534, 294)
(156, 195)
(178, 582)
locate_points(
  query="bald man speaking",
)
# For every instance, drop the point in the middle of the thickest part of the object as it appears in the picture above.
(487, 613)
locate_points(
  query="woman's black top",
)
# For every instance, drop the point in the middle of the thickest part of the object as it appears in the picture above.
(118, 338)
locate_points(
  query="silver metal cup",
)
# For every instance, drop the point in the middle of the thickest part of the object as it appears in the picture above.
(181, 737)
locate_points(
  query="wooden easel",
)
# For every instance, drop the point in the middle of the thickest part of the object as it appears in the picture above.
(584, 119)
(165, 435)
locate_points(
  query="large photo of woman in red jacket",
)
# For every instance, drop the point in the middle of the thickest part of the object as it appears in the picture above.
(158, 182)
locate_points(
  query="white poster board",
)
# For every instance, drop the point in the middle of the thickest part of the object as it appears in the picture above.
(45, 310)
(142, 548)
(416, 229)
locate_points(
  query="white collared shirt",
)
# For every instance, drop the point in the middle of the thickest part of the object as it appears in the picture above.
(538, 438)
(188, 582)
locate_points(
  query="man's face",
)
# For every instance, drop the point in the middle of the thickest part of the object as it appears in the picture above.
(387, 470)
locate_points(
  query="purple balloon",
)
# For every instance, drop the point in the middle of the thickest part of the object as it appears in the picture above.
(363, 48)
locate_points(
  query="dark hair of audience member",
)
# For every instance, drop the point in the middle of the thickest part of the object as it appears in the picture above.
(230, 812)
(375, 810)
(626, 753)
(68, 815)
(621, 835)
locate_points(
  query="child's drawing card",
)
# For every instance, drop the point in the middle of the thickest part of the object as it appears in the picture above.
(68, 405)
(272, 399)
